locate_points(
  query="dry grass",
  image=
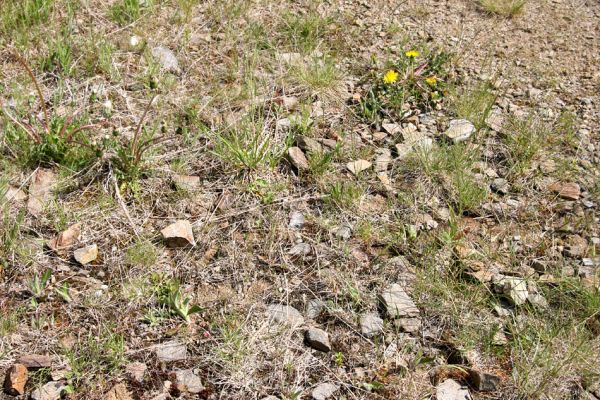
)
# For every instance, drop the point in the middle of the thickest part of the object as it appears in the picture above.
(246, 67)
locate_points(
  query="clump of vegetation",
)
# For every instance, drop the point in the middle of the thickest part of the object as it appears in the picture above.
(475, 104)
(21, 15)
(413, 81)
(126, 11)
(129, 162)
(249, 145)
(54, 139)
(505, 8)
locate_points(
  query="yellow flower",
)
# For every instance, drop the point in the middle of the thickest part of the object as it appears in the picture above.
(412, 54)
(390, 77)
(432, 80)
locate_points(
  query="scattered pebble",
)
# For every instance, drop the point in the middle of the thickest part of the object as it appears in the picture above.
(285, 314)
(324, 391)
(86, 255)
(171, 351)
(15, 380)
(179, 234)
(317, 339)
(166, 59)
(371, 324)
(187, 381)
(459, 130)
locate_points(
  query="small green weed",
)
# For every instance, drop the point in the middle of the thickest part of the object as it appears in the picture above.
(59, 58)
(20, 15)
(344, 194)
(305, 32)
(129, 162)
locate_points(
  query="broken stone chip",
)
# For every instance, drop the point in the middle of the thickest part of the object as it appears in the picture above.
(567, 191)
(356, 167)
(298, 159)
(65, 239)
(87, 254)
(16, 377)
(397, 303)
(186, 182)
(179, 234)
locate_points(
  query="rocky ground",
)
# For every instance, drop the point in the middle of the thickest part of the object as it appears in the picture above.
(300, 200)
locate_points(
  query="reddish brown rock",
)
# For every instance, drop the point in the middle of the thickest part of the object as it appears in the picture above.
(15, 380)
(35, 361)
(567, 191)
(179, 234)
(65, 239)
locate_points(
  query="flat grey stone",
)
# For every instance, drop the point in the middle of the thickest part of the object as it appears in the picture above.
(371, 324)
(459, 130)
(410, 325)
(296, 220)
(171, 351)
(324, 391)
(451, 390)
(397, 303)
(314, 308)
(285, 314)
(50, 391)
(187, 381)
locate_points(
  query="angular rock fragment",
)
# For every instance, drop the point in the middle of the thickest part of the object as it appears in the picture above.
(451, 390)
(171, 351)
(300, 250)
(285, 314)
(40, 191)
(459, 130)
(298, 159)
(50, 391)
(483, 381)
(136, 370)
(118, 392)
(567, 191)
(397, 303)
(317, 339)
(309, 145)
(15, 194)
(15, 380)
(187, 381)
(324, 391)
(65, 239)
(86, 255)
(343, 231)
(513, 288)
(296, 220)
(314, 308)
(186, 182)
(166, 58)
(179, 234)
(409, 325)
(33, 361)
(371, 324)
(358, 166)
